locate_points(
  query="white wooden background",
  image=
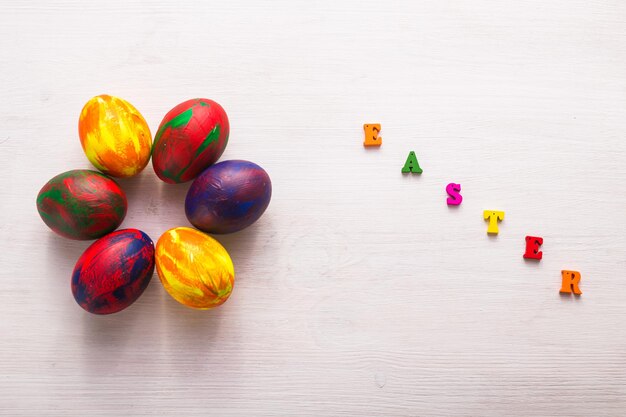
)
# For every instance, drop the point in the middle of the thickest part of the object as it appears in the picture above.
(359, 293)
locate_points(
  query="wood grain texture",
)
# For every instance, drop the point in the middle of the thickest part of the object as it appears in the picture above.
(359, 292)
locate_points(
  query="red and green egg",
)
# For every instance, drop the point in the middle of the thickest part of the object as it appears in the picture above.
(191, 137)
(82, 204)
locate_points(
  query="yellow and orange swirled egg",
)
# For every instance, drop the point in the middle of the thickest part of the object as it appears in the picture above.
(194, 268)
(115, 136)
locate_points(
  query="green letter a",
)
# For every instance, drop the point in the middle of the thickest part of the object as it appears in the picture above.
(411, 164)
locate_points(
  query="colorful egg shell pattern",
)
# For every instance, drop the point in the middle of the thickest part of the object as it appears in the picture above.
(228, 196)
(113, 272)
(194, 268)
(82, 204)
(191, 137)
(114, 136)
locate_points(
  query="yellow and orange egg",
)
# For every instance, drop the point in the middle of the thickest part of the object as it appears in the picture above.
(194, 268)
(114, 136)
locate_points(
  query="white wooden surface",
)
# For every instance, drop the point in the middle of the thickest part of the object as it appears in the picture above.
(359, 293)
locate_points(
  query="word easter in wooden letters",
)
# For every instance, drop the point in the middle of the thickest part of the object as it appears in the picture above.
(570, 279)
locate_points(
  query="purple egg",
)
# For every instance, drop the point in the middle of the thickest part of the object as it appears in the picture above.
(228, 196)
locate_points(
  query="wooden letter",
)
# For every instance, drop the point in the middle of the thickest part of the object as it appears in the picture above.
(494, 217)
(454, 191)
(571, 279)
(411, 164)
(371, 135)
(532, 248)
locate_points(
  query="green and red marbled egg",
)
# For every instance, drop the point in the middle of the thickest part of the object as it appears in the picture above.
(191, 137)
(82, 204)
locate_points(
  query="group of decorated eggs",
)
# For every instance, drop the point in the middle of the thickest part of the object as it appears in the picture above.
(224, 197)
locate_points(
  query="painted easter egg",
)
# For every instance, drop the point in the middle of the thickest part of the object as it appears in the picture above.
(82, 204)
(228, 196)
(194, 268)
(115, 136)
(191, 137)
(113, 272)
